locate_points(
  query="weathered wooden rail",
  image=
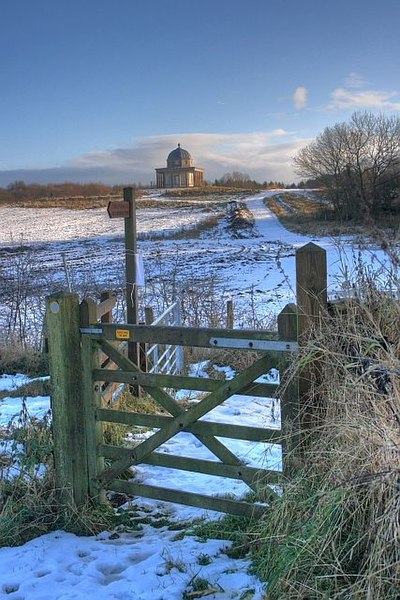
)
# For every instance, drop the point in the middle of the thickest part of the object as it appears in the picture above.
(85, 354)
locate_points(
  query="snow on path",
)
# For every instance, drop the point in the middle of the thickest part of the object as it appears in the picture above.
(145, 565)
(268, 224)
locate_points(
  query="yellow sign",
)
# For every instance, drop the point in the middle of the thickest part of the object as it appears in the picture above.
(122, 334)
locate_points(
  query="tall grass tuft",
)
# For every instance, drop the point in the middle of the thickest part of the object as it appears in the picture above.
(29, 500)
(335, 531)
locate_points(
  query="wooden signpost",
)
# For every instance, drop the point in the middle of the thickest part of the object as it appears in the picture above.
(118, 210)
(127, 210)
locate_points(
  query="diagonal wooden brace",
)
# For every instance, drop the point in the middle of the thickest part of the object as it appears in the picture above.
(182, 418)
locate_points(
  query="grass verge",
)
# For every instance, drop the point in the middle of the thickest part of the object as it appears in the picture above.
(311, 215)
(334, 533)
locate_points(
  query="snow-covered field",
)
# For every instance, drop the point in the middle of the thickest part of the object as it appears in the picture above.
(151, 564)
(92, 245)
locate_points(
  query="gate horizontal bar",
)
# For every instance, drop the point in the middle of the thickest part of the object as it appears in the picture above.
(196, 465)
(179, 382)
(226, 430)
(233, 507)
(252, 344)
(175, 336)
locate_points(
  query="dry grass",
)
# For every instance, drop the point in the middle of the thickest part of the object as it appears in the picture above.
(311, 215)
(69, 202)
(334, 533)
(209, 190)
(31, 507)
(16, 358)
(29, 500)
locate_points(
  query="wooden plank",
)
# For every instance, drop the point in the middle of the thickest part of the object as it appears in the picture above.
(179, 336)
(90, 401)
(124, 363)
(197, 465)
(182, 420)
(105, 307)
(178, 382)
(234, 507)
(226, 430)
(118, 210)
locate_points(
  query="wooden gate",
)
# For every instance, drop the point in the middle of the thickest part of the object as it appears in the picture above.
(85, 352)
(80, 343)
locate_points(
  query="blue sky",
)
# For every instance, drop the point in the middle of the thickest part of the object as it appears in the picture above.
(101, 90)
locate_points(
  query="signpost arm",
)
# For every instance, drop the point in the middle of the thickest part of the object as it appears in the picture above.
(130, 270)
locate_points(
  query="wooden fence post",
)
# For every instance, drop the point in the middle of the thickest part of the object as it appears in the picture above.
(229, 314)
(91, 399)
(153, 358)
(143, 362)
(287, 330)
(70, 460)
(179, 353)
(311, 290)
(130, 270)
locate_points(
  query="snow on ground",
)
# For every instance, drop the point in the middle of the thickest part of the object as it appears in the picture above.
(92, 244)
(145, 565)
(12, 382)
(38, 225)
(150, 564)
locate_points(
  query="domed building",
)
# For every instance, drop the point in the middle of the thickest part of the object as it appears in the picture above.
(179, 171)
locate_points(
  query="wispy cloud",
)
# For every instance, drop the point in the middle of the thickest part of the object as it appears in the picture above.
(356, 94)
(300, 97)
(264, 155)
(355, 81)
(372, 99)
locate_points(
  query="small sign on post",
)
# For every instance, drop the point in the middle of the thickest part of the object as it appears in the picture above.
(118, 210)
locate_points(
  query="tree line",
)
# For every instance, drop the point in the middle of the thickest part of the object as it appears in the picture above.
(19, 190)
(357, 165)
(243, 180)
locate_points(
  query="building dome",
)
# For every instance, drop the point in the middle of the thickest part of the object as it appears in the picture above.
(180, 171)
(179, 158)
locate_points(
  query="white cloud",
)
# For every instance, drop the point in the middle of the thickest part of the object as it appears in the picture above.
(264, 155)
(370, 99)
(300, 97)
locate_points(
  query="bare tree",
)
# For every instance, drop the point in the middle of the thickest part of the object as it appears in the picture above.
(357, 163)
